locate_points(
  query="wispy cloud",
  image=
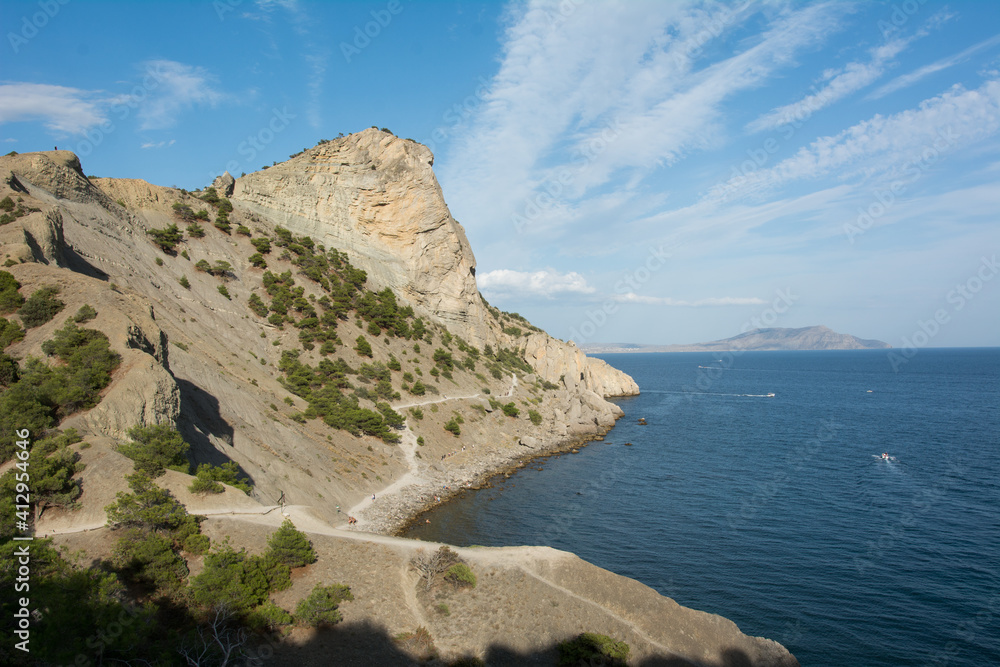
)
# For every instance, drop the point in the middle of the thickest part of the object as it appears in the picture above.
(882, 144)
(546, 283)
(62, 110)
(178, 88)
(607, 93)
(907, 80)
(315, 55)
(631, 297)
(158, 144)
(838, 84)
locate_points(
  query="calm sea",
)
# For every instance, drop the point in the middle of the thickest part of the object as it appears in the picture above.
(778, 512)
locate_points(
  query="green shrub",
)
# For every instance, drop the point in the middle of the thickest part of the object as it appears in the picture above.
(535, 417)
(184, 282)
(224, 291)
(147, 506)
(244, 230)
(208, 477)
(257, 260)
(363, 347)
(155, 448)
(10, 298)
(232, 579)
(167, 238)
(40, 307)
(6, 204)
(42, 393)
(418, 388)
(9, 332)
(85, 314)
(148, 558)
(195, 231)
(290, 546)
(592, 648)
(452, 427)
(257, 306)
(320, 607)
(460, 575)
(268, 616)
(511, 410)
(262, 244)
(417, 413)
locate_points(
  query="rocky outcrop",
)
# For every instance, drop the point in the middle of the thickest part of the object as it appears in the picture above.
(565, 363)
(224, 184)
(376, 197)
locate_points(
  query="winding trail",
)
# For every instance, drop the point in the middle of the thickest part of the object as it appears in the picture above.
(408, 444)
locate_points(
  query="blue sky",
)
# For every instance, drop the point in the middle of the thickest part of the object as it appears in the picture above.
(652, 172)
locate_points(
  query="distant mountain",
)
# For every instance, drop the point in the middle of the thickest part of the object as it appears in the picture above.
(805, 338)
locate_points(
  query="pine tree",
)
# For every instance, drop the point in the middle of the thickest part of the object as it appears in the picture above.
(290, 546)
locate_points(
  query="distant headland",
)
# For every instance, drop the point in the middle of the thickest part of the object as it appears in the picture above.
(805, 338)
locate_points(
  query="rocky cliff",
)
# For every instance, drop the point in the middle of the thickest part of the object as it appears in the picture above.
(375, 196)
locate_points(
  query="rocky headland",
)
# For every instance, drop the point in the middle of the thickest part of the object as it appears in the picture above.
(233, 346)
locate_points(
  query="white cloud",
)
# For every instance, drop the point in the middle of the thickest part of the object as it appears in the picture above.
(887, 145)
(631, 297)
(172, 88)
(944, 63)
(60, 109)
(546, 283)
(158, 144)
(839, 83)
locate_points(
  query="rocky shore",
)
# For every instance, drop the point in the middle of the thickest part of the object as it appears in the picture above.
(395, 511)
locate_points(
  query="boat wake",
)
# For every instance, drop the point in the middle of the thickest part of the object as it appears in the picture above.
(707, 393)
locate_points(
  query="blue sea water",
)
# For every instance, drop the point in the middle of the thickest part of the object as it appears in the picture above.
(777, 512)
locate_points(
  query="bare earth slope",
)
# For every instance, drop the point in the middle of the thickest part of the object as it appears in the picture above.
(202, 361)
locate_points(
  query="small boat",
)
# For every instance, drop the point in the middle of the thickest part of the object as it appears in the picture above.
(771, 395)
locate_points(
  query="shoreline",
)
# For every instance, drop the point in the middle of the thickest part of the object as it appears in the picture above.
(396, 513)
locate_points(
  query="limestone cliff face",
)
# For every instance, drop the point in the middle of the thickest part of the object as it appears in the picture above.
(376, 197)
